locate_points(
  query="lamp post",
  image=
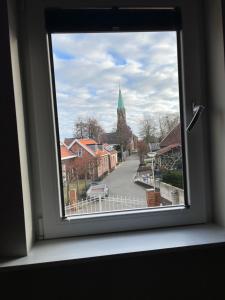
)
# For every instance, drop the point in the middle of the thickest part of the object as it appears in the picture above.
(153, 173)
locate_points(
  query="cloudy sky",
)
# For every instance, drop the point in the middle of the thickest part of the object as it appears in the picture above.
(90, 67)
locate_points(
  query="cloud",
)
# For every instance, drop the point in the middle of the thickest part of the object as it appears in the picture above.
(119, 60)
(89, 68)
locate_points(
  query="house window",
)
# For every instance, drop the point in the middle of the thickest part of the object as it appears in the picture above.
(79, 153)
(121, 88)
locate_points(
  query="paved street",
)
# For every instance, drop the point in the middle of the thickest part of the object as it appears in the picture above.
(123, 192)
(120, 181)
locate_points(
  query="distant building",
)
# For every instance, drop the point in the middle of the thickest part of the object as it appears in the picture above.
(121, 114)
(153, 147)
(113, 159)
(170, 153)
(172, 138)
(68, 141)
(67, 160)
(123, 135)
(94, 159)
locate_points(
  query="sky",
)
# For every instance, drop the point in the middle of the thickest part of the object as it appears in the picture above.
(89, 67)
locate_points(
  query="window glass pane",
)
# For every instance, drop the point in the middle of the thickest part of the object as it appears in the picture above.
(118, 106)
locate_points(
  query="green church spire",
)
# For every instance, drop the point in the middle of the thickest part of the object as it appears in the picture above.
(120, 101)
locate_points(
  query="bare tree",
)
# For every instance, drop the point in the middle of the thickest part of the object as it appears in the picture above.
(148, 131)
(94, 129)
(86, 167)
(80, 129)
(71, 175)
(124, 135)
(142, 149)
(80, 168)
(167, 123)
(89, 128)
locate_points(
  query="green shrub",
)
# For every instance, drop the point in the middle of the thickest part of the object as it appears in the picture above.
(174, 178)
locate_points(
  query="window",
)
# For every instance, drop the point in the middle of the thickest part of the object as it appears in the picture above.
(146, 111)
(58, 218)
(79, 153)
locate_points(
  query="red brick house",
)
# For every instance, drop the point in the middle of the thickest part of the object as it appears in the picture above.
(92, 158)
(173, 138)
(113, 159)
(67, 161)
(170, 153)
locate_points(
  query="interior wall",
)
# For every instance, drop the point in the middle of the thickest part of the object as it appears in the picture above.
(15, 193)
(216, 109)
(19, 104)
(12, 224)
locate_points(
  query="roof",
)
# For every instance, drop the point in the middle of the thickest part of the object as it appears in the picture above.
(109, 148)
(66, 153)
(83, 145)
(86, 144)
(96, 150)
(168, 149)
(174, 137)
(110, 138)
(120, 101)
(68, 141)
(87, 141)
(100, 152)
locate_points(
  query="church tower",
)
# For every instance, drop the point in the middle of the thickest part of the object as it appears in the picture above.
(121, 113)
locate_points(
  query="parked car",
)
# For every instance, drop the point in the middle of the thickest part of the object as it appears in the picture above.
(94, 183)
(97, 190)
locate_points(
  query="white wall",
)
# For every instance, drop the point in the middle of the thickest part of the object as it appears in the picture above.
(166, 191)
(19, 103)
(216, 109)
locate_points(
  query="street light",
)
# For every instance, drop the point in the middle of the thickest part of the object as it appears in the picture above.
(153, 173)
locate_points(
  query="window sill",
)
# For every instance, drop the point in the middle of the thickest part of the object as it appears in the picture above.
(109, 245)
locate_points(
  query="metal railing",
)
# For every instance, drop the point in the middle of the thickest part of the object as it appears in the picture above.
(98, 204)
(154, 182)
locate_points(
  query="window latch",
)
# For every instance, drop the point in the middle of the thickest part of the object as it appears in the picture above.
(197, 110)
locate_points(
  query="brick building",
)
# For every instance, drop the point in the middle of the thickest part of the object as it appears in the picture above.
(93, 160)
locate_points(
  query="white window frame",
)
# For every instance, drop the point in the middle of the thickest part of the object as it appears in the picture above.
(44, 156)
(79, 153)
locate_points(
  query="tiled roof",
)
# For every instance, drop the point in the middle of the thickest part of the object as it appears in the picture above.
(87, 141)
(109, 148)
(68, 141)
(100, 152)
(92, 146)
(66, 153)
(168, 149)
(174, 137)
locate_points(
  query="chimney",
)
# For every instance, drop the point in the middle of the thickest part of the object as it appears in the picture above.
(153, 198)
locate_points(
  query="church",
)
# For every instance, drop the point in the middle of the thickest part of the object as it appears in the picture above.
(123, 140)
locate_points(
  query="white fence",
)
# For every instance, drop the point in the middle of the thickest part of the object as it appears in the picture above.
(171, 193)
(107, 204)
(120, 203)
(167, 191)
(155, 183)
